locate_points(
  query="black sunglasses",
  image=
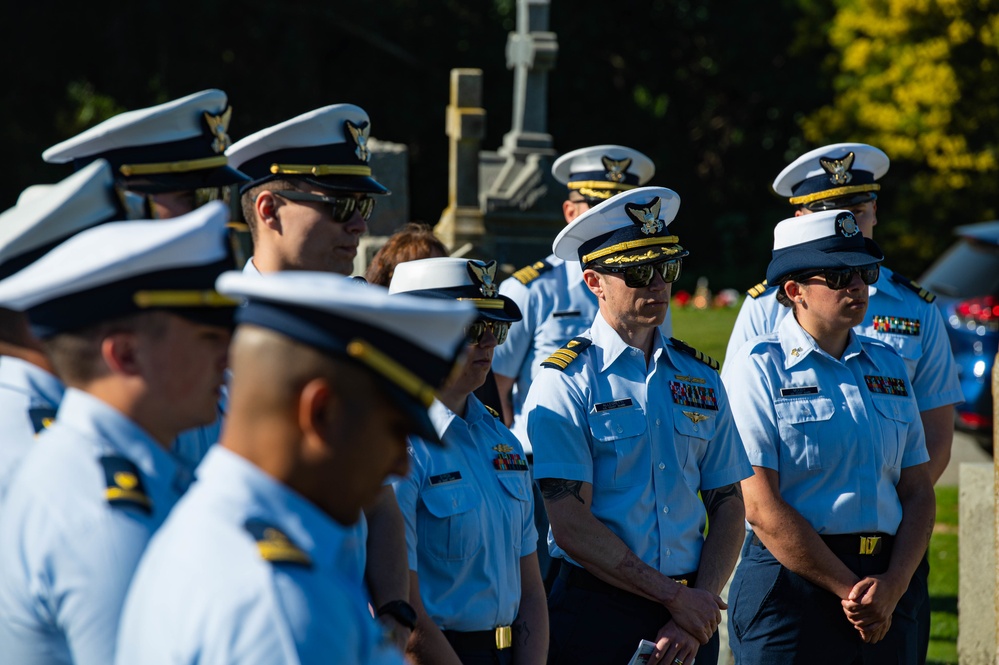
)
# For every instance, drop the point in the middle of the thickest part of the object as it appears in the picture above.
(840, 278)
(343, 206)
(499, 329)
(637, 277)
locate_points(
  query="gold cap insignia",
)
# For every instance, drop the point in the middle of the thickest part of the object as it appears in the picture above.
(219, 126)
(838, 169)
(616, 169)
(360, 134)
(846, 225)
(503, 448)
(646, 216)
(485, 275)
(695, 417)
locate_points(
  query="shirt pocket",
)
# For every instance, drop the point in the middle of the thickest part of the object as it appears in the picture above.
(805, 433)
(518, 485)
(692, 430)
(620, 456)
(451, 529)
(894, 417)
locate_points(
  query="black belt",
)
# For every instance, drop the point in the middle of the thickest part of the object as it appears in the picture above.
(852, 544)
(480, 640)
(583, 579)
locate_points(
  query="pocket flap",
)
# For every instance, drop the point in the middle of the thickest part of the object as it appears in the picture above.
(516, 483)
(691, 422)
(896, 408)
(617, 424)
(805, 410)
(448, 501)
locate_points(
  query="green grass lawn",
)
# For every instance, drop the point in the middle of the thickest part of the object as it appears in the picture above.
(708, 331)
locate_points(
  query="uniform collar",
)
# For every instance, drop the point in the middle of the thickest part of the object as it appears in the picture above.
(32, 380)
(263, 497)
(249, 268)
(613, 346)
(885, 286)
(797, 344)
(442, 417)
(109, 427)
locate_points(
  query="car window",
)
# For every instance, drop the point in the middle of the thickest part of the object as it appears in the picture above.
(969, 268)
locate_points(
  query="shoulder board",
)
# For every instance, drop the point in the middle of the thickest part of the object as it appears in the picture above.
(124, 484)
(41, 417)
(564, 356)
(689, 350)
(274, 545)
(528, 274)
(913, 286)
(491, 410)
(758, 290)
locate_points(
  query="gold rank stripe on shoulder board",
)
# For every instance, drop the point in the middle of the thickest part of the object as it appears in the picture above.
(274, 545)
(913, 286)
(528, 274)
(562, 358)
(758, 290)
(698, 355)
(124, 484)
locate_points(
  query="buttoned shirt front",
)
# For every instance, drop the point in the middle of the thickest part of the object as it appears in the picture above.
(211, 589)
(648, 438)
(837, 431)
(469, 514)
(895, 315)
(29, 397)
(67, 550)
(556, 306)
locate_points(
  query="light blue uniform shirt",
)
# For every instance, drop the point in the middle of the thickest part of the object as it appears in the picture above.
(67, 553)
(29, 397)
(204, 593)
(838, 432)
(469, 514)
(556, 306)
(647, 439)
(928, 359)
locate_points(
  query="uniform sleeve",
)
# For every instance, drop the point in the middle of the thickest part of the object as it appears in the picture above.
(751, 322)
(753, 412)
(724, 461)
(935, 380)
(407, 493)
(509, 357)
(558, 428)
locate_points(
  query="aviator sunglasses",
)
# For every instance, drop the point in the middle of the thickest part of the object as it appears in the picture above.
(637, 277)
(476, 330)
(840, 278)
(342, 206)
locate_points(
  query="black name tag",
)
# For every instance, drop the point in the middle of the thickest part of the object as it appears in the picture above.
(795, 392)
(559, 315)
(609, 406)
(449, 477)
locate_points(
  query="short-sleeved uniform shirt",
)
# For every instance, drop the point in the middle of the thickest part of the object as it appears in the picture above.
(897, 316)
(29, 397)
(469, 513)
(838, 431)
(647, 438)
(244, 571)
(556, 306)
(82, 507)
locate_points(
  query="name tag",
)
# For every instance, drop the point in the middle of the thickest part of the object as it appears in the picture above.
(803, 390)
(448, 477)
(610, 406)
(560, 315)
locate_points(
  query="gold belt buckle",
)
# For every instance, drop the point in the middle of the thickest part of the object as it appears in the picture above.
(504, 637)
(870, 544)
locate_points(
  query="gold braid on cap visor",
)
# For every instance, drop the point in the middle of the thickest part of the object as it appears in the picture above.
(599, 189)
(634, 244)
(833, 193)
(191, 298)
(484, 303)
(173, 167)
(391, 370)
(320, 169)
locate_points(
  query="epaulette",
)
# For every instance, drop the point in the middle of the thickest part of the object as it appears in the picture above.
(496, 414)
(758, 290)
(274, 545)
(124, 484)
(564, 356)
(528, 274)
(913, 286)
(41, 417)
(689, 350)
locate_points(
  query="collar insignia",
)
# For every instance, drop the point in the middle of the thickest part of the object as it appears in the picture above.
(838, 169)
(360, 134)
(219, 126)
(695, 417)
(646, 216)
(503, 448)
(796, 351)
(616, 168)
(846, 225)
(485, 275)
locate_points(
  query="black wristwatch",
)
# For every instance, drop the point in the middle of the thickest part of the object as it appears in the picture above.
(401, 611)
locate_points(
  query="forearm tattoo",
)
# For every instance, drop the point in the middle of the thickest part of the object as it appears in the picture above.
(555, 489)
(713, 499)
(521, 632)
